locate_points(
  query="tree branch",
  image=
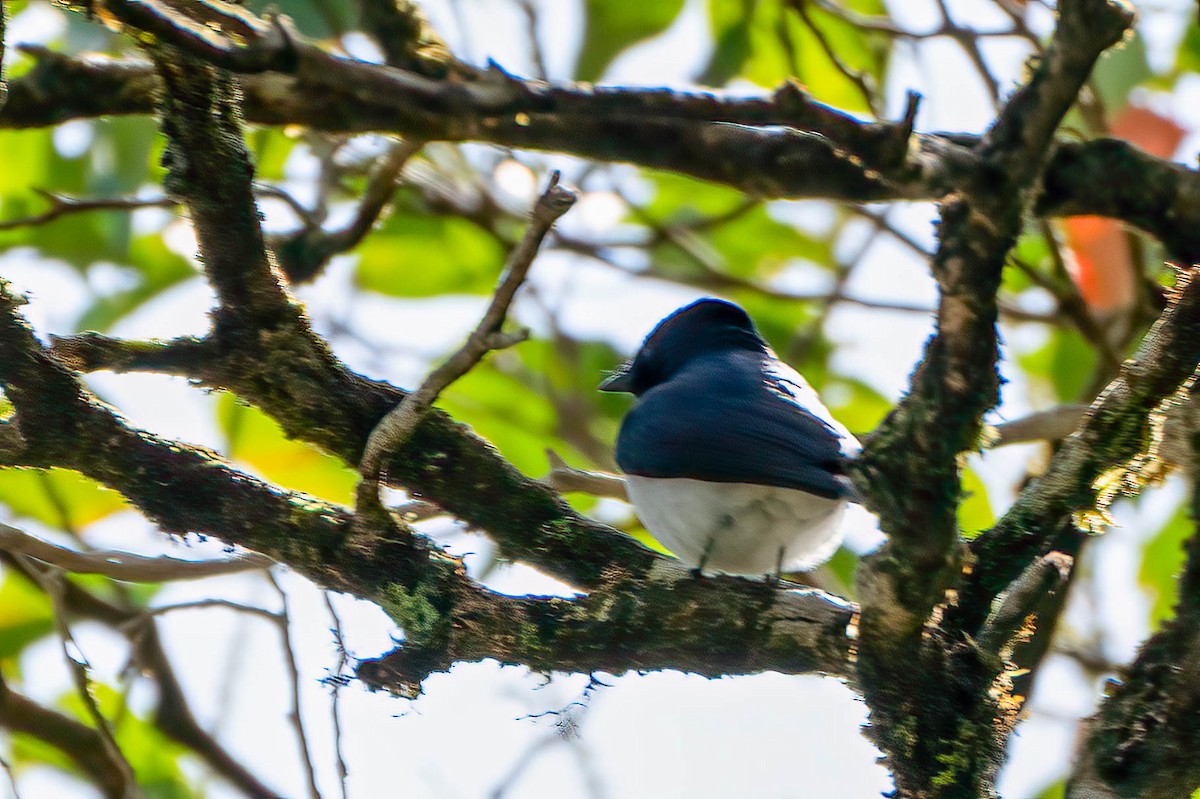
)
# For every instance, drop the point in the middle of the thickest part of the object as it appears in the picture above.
(303, 254)
(1142, 743)
(908, 469)
(172, 715)
(679, 131)
(1115, 448)
(398, 425)
(648, 613)
(122, 565)
(82, 744)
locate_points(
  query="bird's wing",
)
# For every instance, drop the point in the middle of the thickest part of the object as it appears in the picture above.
(732, 431)
(796, 390)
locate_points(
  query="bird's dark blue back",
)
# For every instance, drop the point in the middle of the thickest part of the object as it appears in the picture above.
(724, 417)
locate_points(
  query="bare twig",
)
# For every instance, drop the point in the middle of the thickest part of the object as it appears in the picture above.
(1049, 425)
(302, 254)
(564, 478)
(61, 206)
(336, 692)
(968, 40)
(172, 715)
(536, 51)
(53, 584)
(204, 604)
(860, 80)
(78, 741)
(282, 622)
(123, 565)
(395, 428)
(7, 767)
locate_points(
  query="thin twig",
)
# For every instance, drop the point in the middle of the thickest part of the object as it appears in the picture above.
(289, 657)
(303, 253)
(12, 778)
(881, 221)
(204, 604)
(968, 40)
(123, 565)
(564, 477)
(537, 52)
(52, 583)
(395, 428)
(418, 510)
(172, 714)
(857, 78)
(62, 206)
(336, 688)
(888, 28)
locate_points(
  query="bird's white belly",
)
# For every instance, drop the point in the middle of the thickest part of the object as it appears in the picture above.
(738, 528)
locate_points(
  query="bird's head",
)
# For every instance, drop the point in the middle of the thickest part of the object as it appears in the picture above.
(706, 326)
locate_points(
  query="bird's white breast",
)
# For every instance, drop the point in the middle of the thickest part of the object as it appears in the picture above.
(745, 528)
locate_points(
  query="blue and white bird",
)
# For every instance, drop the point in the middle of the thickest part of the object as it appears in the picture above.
(731, 460)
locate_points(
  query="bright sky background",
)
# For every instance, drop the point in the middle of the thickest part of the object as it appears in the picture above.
(482, 727)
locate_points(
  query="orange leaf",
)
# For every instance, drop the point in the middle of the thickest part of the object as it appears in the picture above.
(1102, 261)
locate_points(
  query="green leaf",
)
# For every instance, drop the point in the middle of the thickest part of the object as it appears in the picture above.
(1188, 58)
(116, 163)
(1067, 362)
(1162, 562)
(612, 26)
(503, 408)
(256, 440)
(124, 155)
(1119, 70)
(767, 43)
(1056, 791)
(271, 147)
(25, 615)
(842, 566)
(855, 404)
(974, 511)
(754, 245)
(679, 199)
(57, 497)
(319, 19)
(424, 256)
(730, 22)
(153, 757)
(32, 162)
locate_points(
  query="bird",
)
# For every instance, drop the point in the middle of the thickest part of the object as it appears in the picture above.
(730, 459)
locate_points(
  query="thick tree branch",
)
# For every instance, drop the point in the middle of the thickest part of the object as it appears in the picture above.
(266, 352)
(658, 128)
(209, 169)
(909, 466)
(446, 616)
(1114, 448)
(1142, 743)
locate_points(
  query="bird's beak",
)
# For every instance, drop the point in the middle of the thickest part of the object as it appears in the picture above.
(620, 380)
